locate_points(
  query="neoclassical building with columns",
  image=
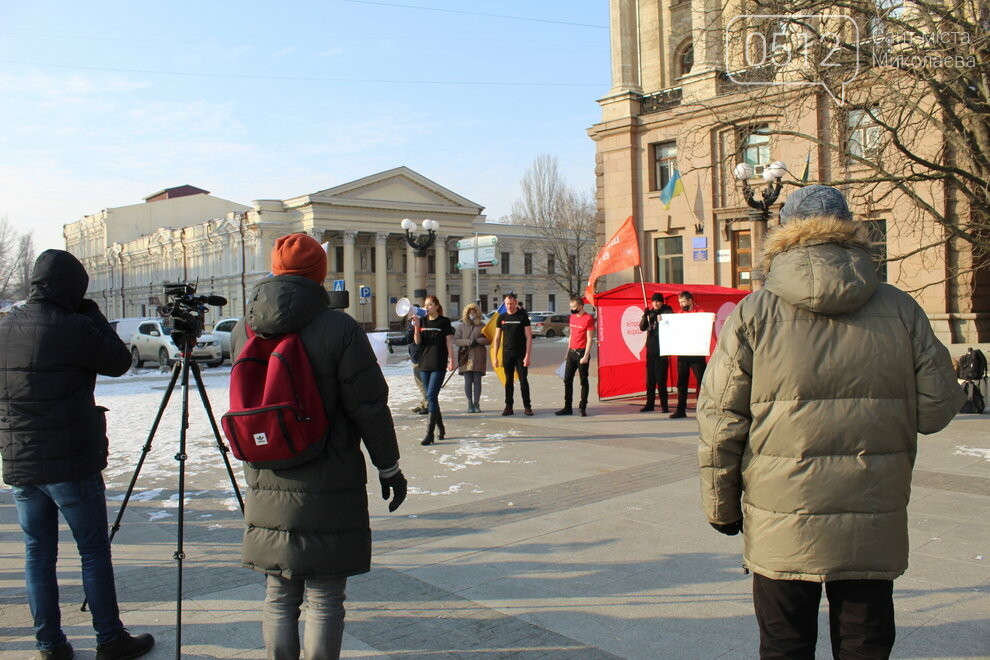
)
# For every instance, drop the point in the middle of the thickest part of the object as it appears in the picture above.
(184, 234)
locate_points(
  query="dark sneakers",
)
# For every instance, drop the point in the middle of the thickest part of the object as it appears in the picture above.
(584, 413)
(647, 408)
(564, 411)
(529, 412)
(678, 414)
(60, 652)
(507, 411)
(125, 647)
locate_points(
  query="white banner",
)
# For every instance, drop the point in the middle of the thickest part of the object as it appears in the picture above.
(686, 334)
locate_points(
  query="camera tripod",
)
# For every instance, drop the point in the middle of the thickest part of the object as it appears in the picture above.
(180, 370)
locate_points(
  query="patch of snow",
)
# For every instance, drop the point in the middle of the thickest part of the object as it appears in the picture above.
(978, 452)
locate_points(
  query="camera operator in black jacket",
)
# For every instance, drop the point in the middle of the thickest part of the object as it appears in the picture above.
(54, 447)
(656, 364)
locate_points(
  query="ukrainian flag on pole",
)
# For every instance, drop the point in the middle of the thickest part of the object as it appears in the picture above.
(673, 188)
(489, 332)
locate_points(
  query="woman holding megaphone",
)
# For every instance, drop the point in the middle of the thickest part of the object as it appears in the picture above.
(432, 333)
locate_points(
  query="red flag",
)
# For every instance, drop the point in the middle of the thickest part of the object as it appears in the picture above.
(620, 252)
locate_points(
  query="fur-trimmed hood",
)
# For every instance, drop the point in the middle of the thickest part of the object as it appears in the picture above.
(821, 264)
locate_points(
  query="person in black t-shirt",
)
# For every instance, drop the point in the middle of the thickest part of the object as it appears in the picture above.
(433, 335)
(515, 338)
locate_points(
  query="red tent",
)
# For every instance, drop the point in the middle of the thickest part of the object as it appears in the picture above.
(621, 344)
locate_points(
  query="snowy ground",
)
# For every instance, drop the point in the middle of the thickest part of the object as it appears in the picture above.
(134, 399)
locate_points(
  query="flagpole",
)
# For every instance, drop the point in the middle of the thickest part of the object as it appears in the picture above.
(642, 284)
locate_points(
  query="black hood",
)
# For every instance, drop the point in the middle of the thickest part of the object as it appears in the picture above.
(58, 277)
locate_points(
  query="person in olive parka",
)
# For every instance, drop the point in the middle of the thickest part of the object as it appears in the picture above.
(307, 527)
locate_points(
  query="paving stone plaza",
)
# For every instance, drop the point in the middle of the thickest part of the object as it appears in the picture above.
(529, 537)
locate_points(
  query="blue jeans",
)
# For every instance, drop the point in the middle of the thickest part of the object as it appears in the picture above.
(324, 617)
(83, 505)
(432, 381)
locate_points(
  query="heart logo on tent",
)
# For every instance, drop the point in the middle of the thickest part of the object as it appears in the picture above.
(631, 334)
(722, 316)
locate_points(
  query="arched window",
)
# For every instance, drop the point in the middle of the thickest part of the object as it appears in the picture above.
(684, 58)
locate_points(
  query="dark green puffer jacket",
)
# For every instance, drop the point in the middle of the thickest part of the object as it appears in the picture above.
(312, 520)
(810, 409)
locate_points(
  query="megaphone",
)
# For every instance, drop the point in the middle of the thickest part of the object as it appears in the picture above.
(404, 306)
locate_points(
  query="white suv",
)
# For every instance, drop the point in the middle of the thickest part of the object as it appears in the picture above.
(221, 330)
(153, 341)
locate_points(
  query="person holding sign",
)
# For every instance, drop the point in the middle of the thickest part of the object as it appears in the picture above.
(656, 364)
(687, 363)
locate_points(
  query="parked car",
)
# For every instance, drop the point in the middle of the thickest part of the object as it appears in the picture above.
(221, 330)
(125, 327)
(549, 324)
(153, 341)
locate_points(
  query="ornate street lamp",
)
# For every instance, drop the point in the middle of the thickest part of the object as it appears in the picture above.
(772, 174)
(420, 243)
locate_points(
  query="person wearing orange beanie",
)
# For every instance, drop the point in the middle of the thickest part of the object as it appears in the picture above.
(299, 254)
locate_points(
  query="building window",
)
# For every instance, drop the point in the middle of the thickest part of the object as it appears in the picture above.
(664, 159)
(431, 264)
(670, 260)
(755, 149)
(528, 263)
(405, 261)
(552, 302)
(455, 306)
(572, 264)
(684, 59)
(551, 265)
(529, 302)
(878, 246)
(505, 263)
(339, 258)
(863, 134)
(452, 263)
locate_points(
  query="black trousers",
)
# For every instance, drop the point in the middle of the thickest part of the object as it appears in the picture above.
(656, 379)
(860, 614)
(685, 365)
(513, 364)
(574, 356)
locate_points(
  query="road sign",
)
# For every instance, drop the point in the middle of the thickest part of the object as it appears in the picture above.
(338, 285)
(364, 292)
(477, 241)
(485, 257)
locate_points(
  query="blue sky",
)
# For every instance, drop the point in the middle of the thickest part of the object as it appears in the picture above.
(107, 102)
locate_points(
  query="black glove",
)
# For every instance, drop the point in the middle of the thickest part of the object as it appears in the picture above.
(87, 306)
(397, 484)
(730, 529)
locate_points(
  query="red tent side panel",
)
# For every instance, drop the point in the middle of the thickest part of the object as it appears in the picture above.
(621, 344)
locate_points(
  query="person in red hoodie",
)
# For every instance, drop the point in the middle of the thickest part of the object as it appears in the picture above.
(687, 363)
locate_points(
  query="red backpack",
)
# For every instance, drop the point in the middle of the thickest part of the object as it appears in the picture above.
(276, 418)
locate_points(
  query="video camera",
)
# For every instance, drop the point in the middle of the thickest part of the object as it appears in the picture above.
(187, 311)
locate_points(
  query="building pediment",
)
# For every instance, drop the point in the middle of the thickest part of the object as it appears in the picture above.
(397, 188)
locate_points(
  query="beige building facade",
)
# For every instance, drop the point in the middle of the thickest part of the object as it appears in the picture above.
(186, 235)
(676, 105)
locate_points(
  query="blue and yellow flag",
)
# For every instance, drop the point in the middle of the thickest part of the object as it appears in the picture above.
(673, 188)
(807, 168)
(489, 332)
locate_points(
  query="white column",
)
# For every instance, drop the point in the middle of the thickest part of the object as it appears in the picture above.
(440, 277)
(350, 278)
(381, 281)
(411, 274)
